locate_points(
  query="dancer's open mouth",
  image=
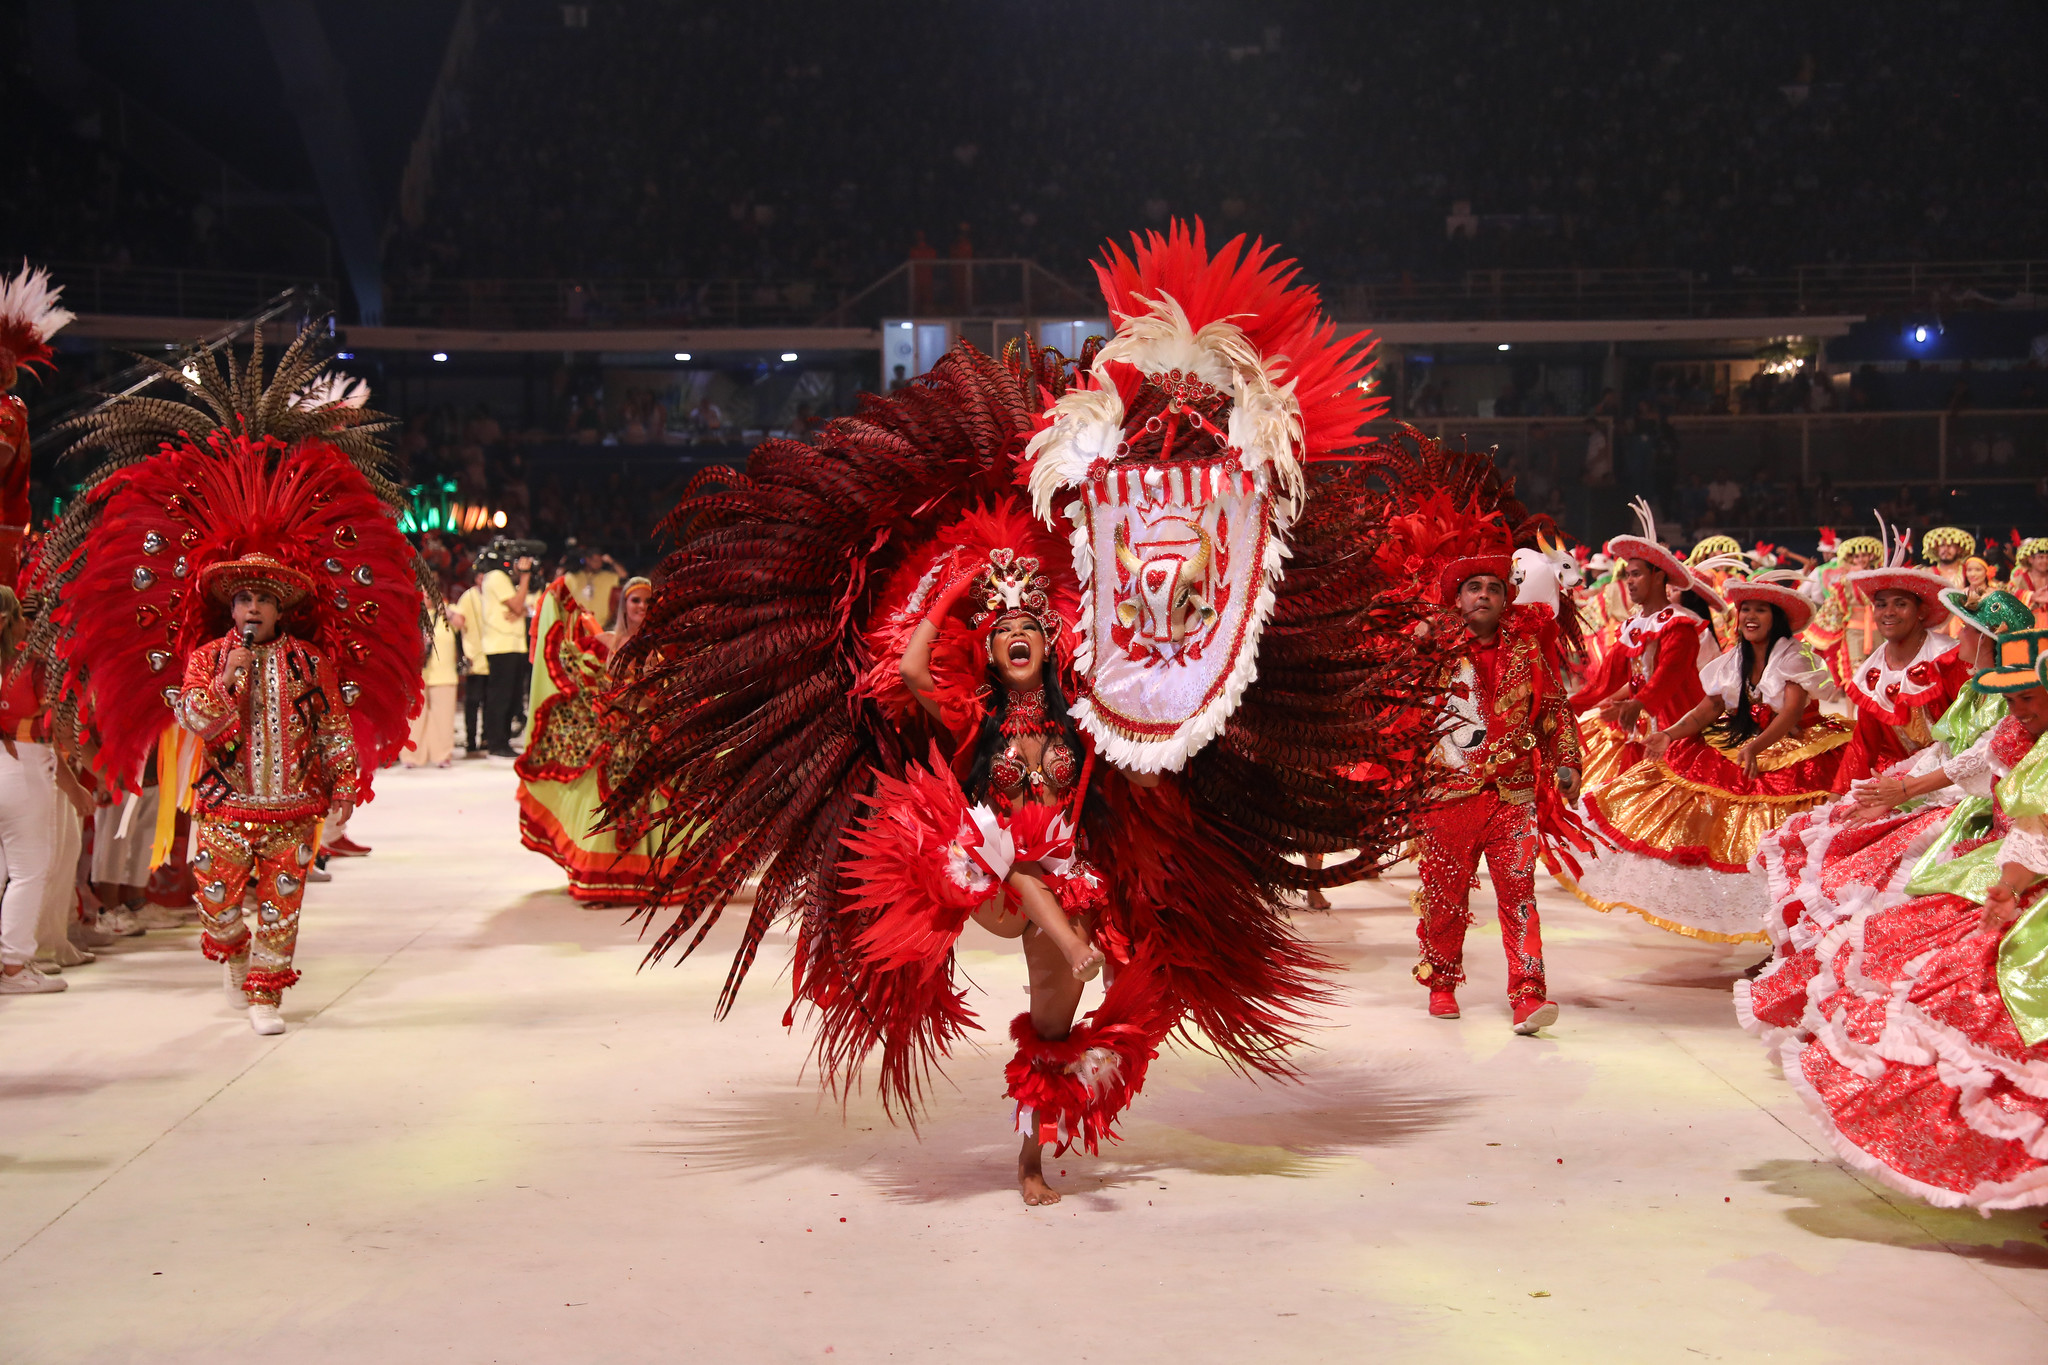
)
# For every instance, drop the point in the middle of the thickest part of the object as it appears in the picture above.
(1020, 652)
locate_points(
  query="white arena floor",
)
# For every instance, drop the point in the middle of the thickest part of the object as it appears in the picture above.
(487, 1137)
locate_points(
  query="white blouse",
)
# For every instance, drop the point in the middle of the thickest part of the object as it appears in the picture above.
(1789, 663)
(2026, 843)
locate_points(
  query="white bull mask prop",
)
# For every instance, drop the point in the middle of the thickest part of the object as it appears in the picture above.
(1177, 558)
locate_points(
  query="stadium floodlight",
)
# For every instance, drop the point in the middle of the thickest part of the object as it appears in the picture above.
(440, 355)
(904, 325)
(1920, 334)
(498, 520)
(1502, 347)
(788, 356)
(682, 355)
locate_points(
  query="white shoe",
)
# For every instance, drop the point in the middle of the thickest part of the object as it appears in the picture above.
(317, 873)
(154, 916)
(121, 924)
(86, 933)
(30, 981)
(69, 954)
(232, 975)
(265, 1019)
(47, 964)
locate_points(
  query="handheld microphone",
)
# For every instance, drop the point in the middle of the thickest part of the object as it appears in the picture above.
(248, 642)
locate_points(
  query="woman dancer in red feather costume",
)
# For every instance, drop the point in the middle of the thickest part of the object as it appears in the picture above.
(817, 694)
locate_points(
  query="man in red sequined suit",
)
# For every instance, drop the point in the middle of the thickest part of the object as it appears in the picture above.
(1512, 738)
(279, 754)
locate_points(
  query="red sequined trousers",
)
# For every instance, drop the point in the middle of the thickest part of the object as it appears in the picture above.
(236, 857)
(1450, 840)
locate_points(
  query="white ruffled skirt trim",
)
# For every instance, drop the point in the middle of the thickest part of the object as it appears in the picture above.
(1698, 902)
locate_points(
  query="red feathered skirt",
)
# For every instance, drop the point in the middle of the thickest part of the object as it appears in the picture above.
(921, 862)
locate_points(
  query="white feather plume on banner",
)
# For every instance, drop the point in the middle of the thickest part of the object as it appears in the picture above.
(1265, 419)
(1087, 425)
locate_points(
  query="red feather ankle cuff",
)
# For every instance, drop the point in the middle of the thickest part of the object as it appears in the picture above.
(1072, 1091)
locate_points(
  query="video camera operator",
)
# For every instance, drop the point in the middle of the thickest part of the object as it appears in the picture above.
(506, 581)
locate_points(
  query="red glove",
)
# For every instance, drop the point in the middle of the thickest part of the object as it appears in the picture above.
(949, 598)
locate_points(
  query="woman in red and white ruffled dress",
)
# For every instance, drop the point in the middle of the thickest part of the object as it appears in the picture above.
(1922, 1039)
(1916, 716)
(1826, 865)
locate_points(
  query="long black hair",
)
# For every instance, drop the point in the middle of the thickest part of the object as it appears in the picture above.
(1693, 602)
(1742, 726)
(989, 740)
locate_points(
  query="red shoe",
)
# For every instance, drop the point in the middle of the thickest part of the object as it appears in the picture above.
(1443, 1005)
(345, 847)
(1531, 1015)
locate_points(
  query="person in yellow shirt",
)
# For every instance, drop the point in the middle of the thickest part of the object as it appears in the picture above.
(595, 586)
(475, 670)
(433, 729)
(503, 586)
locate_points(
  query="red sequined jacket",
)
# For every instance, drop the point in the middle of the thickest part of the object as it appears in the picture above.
(1511, 729)
(279, 745)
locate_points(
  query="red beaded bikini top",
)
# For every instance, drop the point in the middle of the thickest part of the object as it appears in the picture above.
(1010, 772)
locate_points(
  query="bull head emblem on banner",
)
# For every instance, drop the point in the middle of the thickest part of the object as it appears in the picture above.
(1163, 588)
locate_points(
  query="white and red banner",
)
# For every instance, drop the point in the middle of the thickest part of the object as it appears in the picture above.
(1177, 564)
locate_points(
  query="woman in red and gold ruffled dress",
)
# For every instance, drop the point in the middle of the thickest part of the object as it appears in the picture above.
(1686, 821)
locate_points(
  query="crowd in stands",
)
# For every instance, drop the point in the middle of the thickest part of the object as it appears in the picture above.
(689, 141)
(72, 196)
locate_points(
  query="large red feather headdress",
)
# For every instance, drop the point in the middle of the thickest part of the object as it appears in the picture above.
(994, 541)
(288, 470)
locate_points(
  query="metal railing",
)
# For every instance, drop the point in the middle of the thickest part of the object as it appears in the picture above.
(979, 288)
(1018, 288)
(159, 292)
(1501, 295)
(1002, 287)
(1999, 445)
(598, 304)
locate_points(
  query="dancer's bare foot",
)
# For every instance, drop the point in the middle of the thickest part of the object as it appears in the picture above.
(1031, 1176)
(1317, 900)
(1086, 959)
